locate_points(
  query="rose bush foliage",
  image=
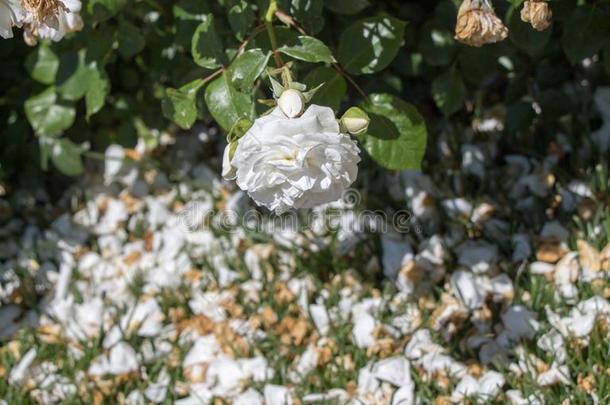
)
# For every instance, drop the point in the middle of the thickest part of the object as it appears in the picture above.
(141, 70)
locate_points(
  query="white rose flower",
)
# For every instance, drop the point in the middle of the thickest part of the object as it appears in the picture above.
(294, 163)
(11, 15)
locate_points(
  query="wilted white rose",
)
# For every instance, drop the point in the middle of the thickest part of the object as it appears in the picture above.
(52, 22)
(538, 13)
(11, 15)
(477, 24)
(295, 163)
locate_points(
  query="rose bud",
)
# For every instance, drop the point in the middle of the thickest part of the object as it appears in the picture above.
(291, 103)
(355, 121)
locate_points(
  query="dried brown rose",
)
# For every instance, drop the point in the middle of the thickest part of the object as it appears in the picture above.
(477, 24)
(537, 13)
(44, 11)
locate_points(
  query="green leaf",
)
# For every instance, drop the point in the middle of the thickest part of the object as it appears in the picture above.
(247, 67)
(188, 14)
(397, 133)
(72, 77)
(347, 7)
(241, 19)
(584, 33)
(42, 64)
(97, 90)
(46, 115)
(333, 90)
(99, 47)
(101, 10)
(284, 35)
(239, 129)
(449, 91)
(477, 65)
(66, 156)
(206, 46)
(226, 104)
(525, 36)
(309, 49)
(369, 45)
(194, 10)
(180, 105)
(437, 45)
(131, 40)
(308, 13)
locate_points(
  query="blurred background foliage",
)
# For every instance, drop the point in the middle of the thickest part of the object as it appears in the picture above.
(137, 71)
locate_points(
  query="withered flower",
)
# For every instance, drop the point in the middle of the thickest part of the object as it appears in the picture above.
(477, 24)
(44, 11)
(538, 13)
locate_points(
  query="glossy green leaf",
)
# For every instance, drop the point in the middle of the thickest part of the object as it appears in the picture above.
(46, 115)
(97, 90)
(101, 10)
(437, 45)
(309, 49)
(180, 105)
(102, 40)
(308, 13)
(72, 77)
(247, 67)
(131, 40)
(66, 156)
(397, 133)
(333, 89)
(188, 14)
(241, 19)
(226, 104)
(369, 45)
(449, 91)
(42, 64)
(206, 46)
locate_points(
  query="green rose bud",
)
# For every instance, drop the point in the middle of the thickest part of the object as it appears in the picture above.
(355, 121)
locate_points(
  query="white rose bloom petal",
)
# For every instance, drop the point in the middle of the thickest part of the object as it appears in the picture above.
(11, 15)
(296, 163)
(228, 170)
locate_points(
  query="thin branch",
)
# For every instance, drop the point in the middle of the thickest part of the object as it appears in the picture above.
(258, 29)
(287, 19)
(351, 81)
(271, 31)
(211, 76)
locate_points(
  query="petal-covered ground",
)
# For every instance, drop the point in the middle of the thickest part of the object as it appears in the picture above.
(157, 282)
